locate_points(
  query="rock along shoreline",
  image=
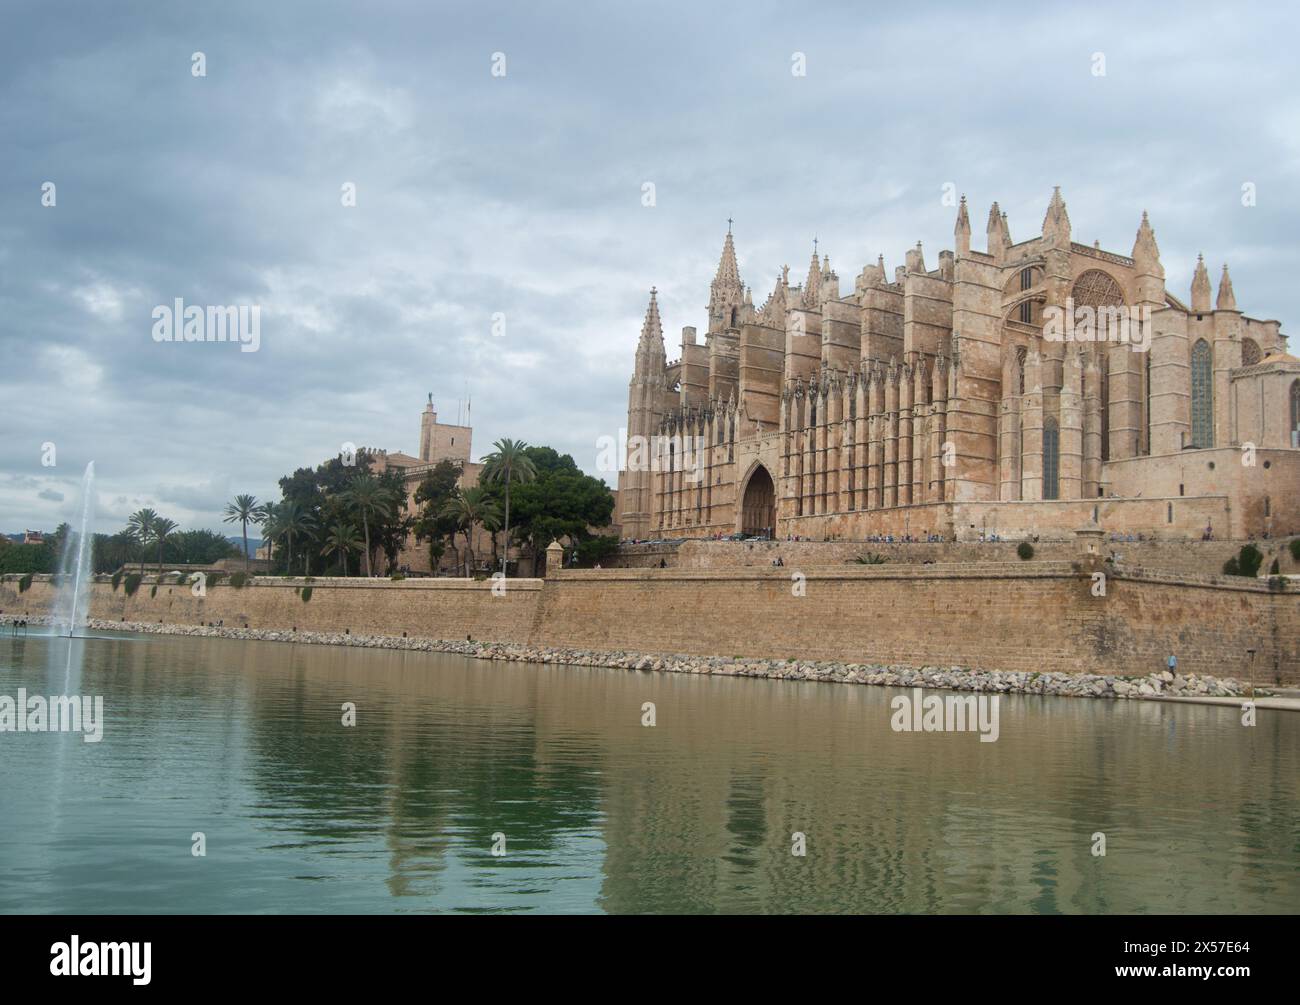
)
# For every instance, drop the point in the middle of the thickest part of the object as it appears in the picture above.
(953, 678)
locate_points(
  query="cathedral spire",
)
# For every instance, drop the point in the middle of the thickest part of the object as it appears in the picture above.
(1200, 286)
(1146, 255)
(962, 229)
(728, 270)
(1056, 223)
(996, 230)
(1226, 301)
(726, 292)
(812, 286)
(652, 329)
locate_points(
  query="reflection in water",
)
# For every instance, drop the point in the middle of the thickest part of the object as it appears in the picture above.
(244, 743)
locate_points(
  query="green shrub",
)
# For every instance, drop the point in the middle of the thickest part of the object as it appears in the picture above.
(239, 579)
(1025, 550)
(871, 558)
(397, 577)
(116, 580)
(132, 583)
(1274, 569)
(1247, 562)
(215, 577)
(1295, 548)
(25, 583)
(306, 594)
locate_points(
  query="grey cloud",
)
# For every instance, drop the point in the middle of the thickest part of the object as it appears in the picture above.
(521, 195)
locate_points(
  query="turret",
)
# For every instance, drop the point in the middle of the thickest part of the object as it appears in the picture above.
(1056, 224)
(915, 260)
(1226, 300)
(812, 287)
(962, 230)
(428, 419)
(998, 239)
(650, 355)
(1200, 287)
(726, 293)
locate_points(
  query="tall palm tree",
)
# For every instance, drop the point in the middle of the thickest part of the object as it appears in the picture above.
(267, 519)
(243, 509)
(370, 498)
(509, 462)
(340, 539)
(140, 527)
(470, 507)
(161, 528)
(290, 520)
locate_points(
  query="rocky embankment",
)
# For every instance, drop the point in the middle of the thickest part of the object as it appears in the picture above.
(953, 678)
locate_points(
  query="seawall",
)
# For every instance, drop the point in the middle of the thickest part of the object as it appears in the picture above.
(1029, 617)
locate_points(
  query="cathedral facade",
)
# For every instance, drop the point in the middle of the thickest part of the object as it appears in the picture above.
(1030, 388)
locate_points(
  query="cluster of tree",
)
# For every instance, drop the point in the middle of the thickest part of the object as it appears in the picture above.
(147, 537)
(343, 517)
(328, 516)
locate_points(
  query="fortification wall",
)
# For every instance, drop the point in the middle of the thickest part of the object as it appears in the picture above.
(1189, 558)
(1035, 616)
(433, 608)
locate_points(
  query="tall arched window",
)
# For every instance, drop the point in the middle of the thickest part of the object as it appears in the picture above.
(1146, 403)
(1295, 413)
(1051, 459)
(1202, 395)
(1250, 354)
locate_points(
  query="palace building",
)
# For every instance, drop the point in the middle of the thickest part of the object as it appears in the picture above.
(952, 401)
(439, 441)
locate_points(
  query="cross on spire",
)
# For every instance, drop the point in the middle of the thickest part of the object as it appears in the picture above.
(729, 222)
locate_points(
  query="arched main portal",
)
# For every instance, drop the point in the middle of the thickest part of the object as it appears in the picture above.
(758, 507)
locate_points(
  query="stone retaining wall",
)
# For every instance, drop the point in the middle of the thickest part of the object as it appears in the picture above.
(1016, 616)
(1191, 558)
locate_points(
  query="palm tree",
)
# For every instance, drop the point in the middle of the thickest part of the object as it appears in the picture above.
(509, 462)
(290, 520)
(370, 498)
(469, 507)
(140, 527)
(161, 528)
(266, 518)
(243, 509)
(340, 539)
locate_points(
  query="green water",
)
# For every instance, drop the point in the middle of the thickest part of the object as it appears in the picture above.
(243, 742)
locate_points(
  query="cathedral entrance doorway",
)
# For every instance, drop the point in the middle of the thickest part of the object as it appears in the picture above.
(758, 507)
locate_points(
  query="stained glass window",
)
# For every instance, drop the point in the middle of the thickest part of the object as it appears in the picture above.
(1096, 289)
(1202, 395)
(1295, 413)
(1051, 459)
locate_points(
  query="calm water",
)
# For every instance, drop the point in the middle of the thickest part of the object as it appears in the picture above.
(243, 742)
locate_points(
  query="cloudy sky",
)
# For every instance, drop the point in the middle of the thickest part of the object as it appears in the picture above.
(521, 195)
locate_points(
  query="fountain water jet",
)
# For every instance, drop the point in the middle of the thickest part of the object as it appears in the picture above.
(72, 603)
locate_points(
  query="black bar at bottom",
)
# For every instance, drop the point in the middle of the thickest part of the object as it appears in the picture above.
(333, 954)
